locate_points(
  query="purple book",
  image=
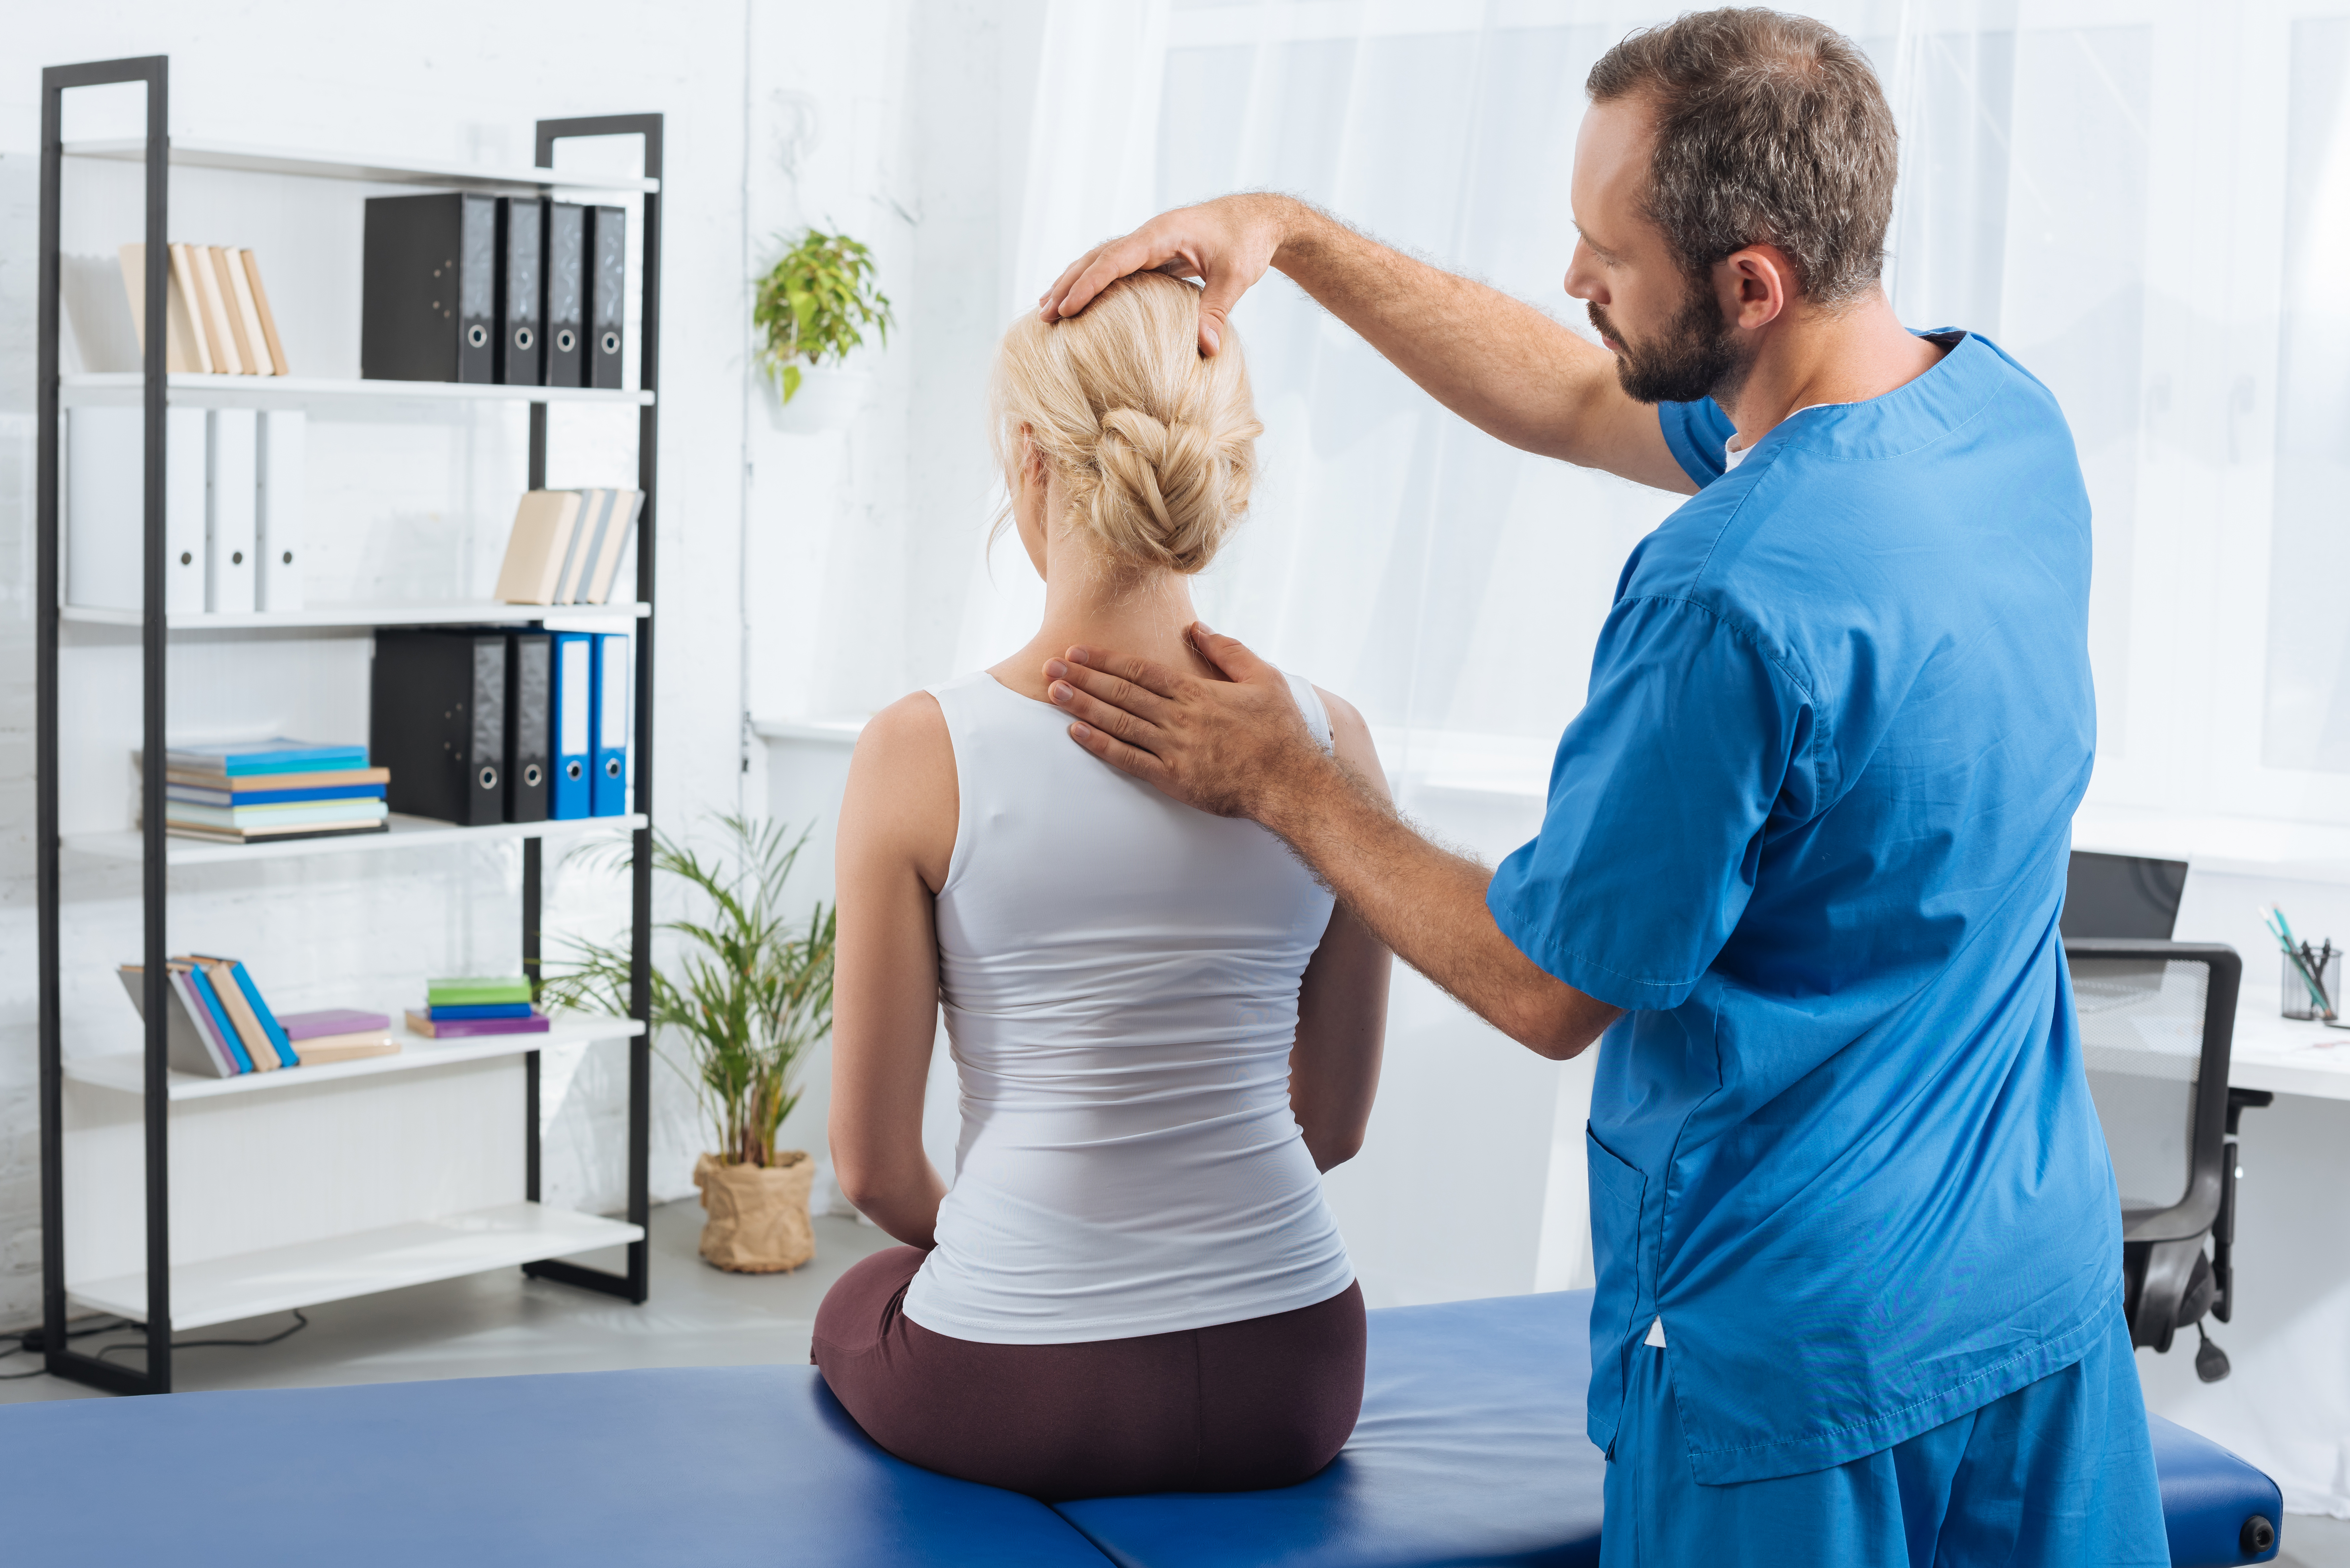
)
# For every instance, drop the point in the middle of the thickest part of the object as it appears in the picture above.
(333, 1020)
(461, 1028)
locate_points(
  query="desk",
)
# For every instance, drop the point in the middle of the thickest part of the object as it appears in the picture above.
(2270, 1051)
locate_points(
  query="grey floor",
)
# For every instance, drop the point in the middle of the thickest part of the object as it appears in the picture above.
(2312, 1541)
(494, 1323)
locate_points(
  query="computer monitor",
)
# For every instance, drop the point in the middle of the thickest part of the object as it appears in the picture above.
(2127, 896)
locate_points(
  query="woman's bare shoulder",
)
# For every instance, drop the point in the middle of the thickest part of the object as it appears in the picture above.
(1350, 738)
(902, 795)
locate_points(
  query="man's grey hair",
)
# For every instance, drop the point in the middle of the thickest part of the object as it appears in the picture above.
(1770, 127)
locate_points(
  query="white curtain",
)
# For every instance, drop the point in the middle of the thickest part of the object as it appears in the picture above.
(2142, 203)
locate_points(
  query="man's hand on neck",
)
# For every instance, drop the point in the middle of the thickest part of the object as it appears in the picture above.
(1239, 747)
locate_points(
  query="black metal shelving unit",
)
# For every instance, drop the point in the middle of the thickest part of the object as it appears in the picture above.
(632, 1283)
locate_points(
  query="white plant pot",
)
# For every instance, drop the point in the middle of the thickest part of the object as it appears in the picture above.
(830, 397)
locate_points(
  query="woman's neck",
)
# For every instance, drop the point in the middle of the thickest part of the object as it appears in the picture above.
(1135, 612)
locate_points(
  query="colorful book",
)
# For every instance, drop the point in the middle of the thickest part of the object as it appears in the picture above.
(245, 784)
(238, 759)
(241, 1017)
(330, 1048)
(212, 795)
(477, 991)
(274, 834)
(440, 1014)
(223, 1030)
(298, 812)
(464, 1028)
(262, 1015)
(304, 1026)
(339, 1034)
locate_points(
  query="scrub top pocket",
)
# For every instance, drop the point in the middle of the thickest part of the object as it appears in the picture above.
(1617, 1191)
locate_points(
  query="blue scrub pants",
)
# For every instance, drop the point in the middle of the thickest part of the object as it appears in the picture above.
(2059, 1472)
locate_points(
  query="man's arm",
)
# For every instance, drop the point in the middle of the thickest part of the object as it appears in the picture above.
(1496, 361)
(1242, 749)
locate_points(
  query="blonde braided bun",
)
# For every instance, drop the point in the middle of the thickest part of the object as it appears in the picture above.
(1155, 446)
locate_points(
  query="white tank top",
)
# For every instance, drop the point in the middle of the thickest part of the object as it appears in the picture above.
(1119, 974)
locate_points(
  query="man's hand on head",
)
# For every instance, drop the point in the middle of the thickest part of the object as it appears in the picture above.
(1226, 243)
(1236, 747)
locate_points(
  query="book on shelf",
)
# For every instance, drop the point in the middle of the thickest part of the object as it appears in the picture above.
(248, 788)
(361, 810)
(543, 525)
(566, 546)
(469, 1028)
(277, 362)
(188, 1047)
(272, 834)
(213, 311)
(228, 997)
(459, 1012)
(477, 991)
(244, 315)
(184, 279)
(235, 793)
(247, 1005)
(184, 350)
(339, 1034)
(236, 759)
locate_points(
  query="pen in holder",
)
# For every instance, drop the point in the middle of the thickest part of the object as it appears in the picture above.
(2319, 968)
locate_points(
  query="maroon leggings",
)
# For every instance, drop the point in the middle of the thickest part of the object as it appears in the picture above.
(1235, 1408)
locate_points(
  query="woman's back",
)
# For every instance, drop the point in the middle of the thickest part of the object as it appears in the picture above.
(1164, 1029)
(1120, 980)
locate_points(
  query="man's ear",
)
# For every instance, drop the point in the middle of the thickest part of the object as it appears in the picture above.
(1757, 285)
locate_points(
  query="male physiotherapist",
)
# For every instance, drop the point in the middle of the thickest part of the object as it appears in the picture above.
(1858, 1246)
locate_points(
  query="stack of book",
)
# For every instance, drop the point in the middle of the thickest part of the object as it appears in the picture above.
(458, 1008)
(262, 791)
(219, 1026)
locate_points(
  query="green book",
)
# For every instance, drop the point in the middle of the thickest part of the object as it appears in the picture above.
(475, 990)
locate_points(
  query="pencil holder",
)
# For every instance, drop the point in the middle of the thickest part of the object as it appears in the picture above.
(2298, 1003)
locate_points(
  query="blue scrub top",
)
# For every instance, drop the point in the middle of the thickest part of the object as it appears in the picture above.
(1810, 829)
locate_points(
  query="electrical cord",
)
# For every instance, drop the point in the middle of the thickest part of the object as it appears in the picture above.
(296, 1326)
(17, 1345)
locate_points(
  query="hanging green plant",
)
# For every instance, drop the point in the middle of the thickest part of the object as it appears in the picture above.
(814, 304)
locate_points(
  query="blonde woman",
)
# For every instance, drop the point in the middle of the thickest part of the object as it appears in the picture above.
(1164, 1029)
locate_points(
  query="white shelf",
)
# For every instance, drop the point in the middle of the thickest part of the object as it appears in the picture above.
(127, 1071)
(462, 612)
(118, 388)
(281, 1278)
(406, 833)
(511, 180)
(838, 730)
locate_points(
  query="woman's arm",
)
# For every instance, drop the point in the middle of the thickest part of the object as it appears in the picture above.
(1342, 1001)
(897, 837)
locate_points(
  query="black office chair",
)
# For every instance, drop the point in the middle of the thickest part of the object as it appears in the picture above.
(2172, 1005)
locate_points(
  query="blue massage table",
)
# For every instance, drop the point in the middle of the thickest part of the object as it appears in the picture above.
(1470, 1451)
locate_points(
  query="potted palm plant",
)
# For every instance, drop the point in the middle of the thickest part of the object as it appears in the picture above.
(814, 307)
(746, 997)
